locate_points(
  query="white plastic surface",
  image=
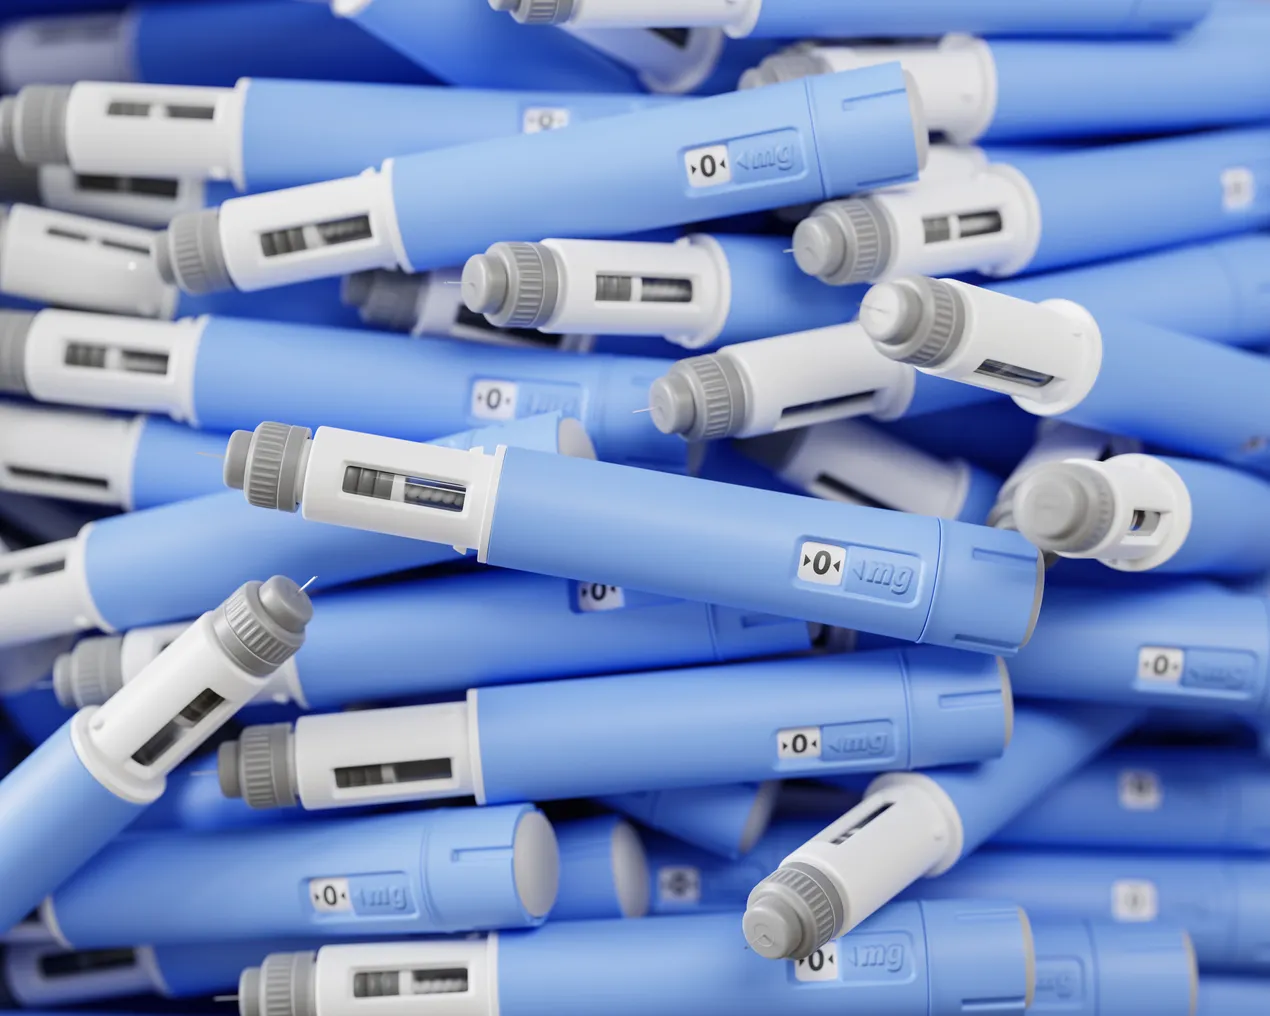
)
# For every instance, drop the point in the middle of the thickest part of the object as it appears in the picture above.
(736, 15)
(382, 737)
(107, 737)
(139, 646)
(337, 966)
(125, 129)
(332, 450)
(74, 261)
(147, 366)
(957, 203)
(65, 190)
(63, 49)
(44, 592)
(32, 987)
(1139, 483)
(630, 871)
(661, 65)
(244, 220)
(919, 834)
(833, 459)
(68, 453)
(956, 79)
(810, 377)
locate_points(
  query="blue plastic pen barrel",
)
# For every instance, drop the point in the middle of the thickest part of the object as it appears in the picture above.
(1233, 996)
(411, 873)
(603, 870)
(726, 820)
(1188, 646)
(1154, 799)
(1222, 902)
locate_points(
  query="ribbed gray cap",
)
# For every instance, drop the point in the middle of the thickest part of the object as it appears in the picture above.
(249, 992)
(19, 183)
(15, 327)
(536, 12)
(844, 242)
(90, 673)
(792, 913)
(384, 299)
(266, 464)
(189, 253)
(515, 285)
(787, 65)
(287, 986)
(1064, 507)
(262, 624)
(699, 398)
(914, 320)
(39, 124)
(259, 767)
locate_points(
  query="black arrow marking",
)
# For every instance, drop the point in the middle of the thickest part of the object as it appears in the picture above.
(806, 560)
(837, 566)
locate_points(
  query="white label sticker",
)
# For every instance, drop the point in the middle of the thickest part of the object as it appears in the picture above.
(821, 563)
(822, 965)
(1159, 663)
(1134, 900)
(679, 885)
(544, 118)
(494, 400)
(1238, 188)
(330, 895)
(595, 596)
(798, 742)
(708, 167)
(1140, 790)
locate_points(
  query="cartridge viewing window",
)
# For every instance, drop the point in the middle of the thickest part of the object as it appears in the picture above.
(86, 961)
(199, 707)
(1144, 523)
(428, 493)
(378, 775)
(95, 356)
(941, 229)
(147, 185)
(47, 568)
(48, 476)
(190, 112)
(318, 234)
(621, 289)
(1014, 374)
(118, 108)
(846, 834)
(378, 983)
(843, 402)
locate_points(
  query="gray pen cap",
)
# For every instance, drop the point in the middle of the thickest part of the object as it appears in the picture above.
(914, 320)
(844, 242)
(90, 673)
(189, 253)
(792, 913)
(262, 624)
(36, 125)
(285, 984)
(1064, 507)
(259, 766)
(515, 285)
(384, 299)
(15, 328)
(800, 61)
(268, 464)
(699, 398)
(536, 12)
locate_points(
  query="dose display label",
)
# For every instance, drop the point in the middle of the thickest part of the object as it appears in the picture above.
(330, 895)
(679, 885)
(595, 596)
(821, 563)
(544, 118)
(494, 400)
(1238, 188)
(822, 965)
(1160, 663)
(1135, 900)
(708, 166)
(1140, 790)
(798, 742)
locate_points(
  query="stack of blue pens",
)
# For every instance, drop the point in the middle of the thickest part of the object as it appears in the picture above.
(560, 507)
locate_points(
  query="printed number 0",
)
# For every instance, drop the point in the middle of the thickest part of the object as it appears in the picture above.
(816, 961)
(820, 563)
(329, 895)
(494, 398)
(708, 166)
(799, 744)
(1160, 664)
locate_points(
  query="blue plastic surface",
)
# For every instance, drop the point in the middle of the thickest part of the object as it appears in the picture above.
(1048, 745)
(981, 494)
(469, 44)
(298, 132)
(1080, 89)
(411, 873)
(872, 712)
(55, 816)
(316, 302)
(193, 800)
(717, 819)
(189, 971)
(215, 42)
(1219, 290)
(588, 888)
(905, 960)
(1224, 902)
(936, 394)
(421, 389)
(1099, 968)
(1105, 645)
(1233, 996)
(174, 462)
(1155, 799)
(772, 296)
(828, 19)
(1105, 202)
(788, 144)
(916, 578)
(1228, 534)
(434, 636)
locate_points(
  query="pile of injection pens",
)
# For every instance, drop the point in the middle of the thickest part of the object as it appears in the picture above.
(635, 507)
